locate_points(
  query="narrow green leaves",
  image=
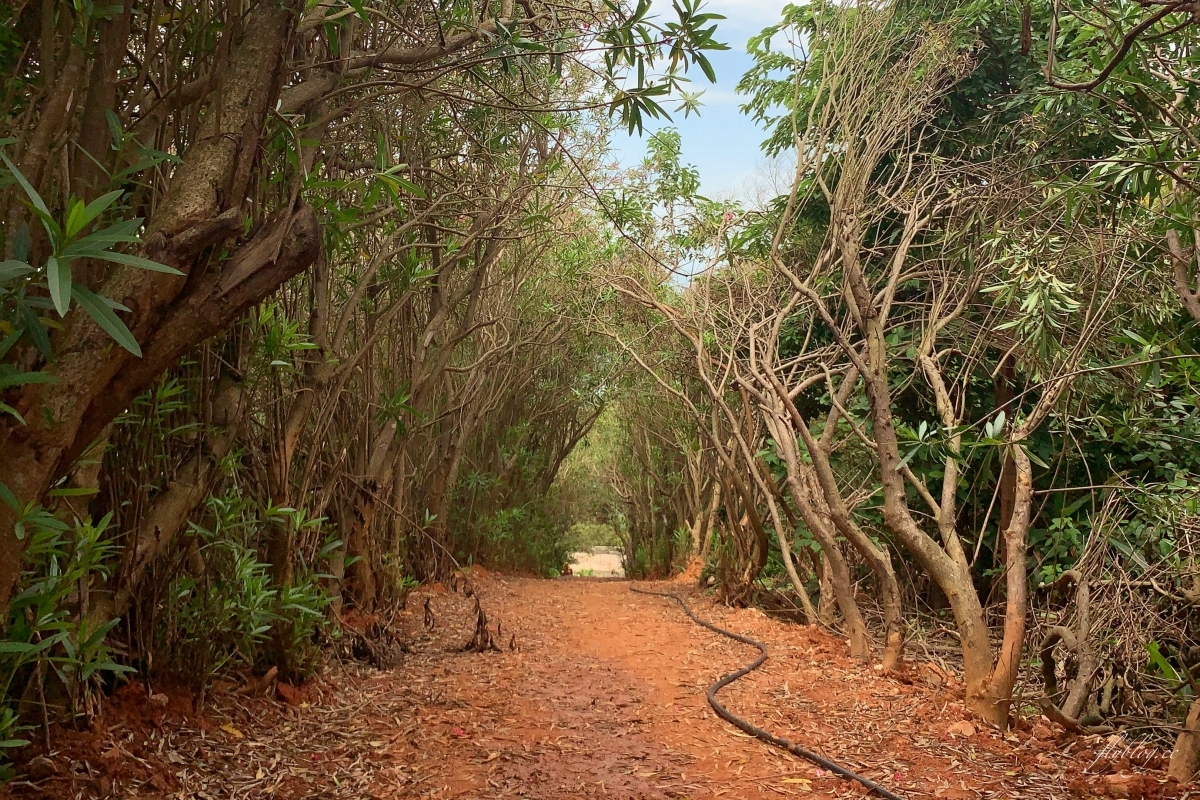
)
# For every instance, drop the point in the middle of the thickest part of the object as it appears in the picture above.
(58, 280)
(106, 318)
(10, 270)
(80, 215)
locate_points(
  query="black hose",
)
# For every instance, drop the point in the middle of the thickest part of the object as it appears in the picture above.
(754, 730)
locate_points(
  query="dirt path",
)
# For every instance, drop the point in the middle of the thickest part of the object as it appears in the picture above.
(603, 696)
(606, 699)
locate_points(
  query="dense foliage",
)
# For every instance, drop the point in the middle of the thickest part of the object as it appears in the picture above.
(292, 314)
(304, 302)
(954, 362)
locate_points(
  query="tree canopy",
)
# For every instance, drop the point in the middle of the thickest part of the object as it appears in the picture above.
(306, 302)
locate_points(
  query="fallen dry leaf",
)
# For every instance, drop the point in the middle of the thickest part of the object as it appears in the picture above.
(964, 729)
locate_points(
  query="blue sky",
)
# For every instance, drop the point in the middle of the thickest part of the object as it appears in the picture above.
(722, 143)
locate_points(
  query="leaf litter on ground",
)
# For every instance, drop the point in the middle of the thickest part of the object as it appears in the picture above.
(601, 695)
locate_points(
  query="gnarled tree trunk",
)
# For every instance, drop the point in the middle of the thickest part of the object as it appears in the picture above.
(169, 315)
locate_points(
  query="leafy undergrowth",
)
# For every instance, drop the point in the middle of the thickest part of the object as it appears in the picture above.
(594, 692)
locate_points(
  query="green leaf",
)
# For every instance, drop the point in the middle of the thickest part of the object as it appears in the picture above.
(380, 152)
(136, 261)
(34, 197)
(1164, 666)
(96, 636)
(114, 128)
(9, 498)
(58, 279)
(77, 222)
(109, 666)
(74, 214)
(33, 326)
(79, 491)
(107, 319)
(396, 183)
(99, 241)
(114, 305)
(13, 269)
(153, 158)
(907, 457)
(8, 341)
(5, 408)
(1034, 458)
(21, 243)
(22, 378)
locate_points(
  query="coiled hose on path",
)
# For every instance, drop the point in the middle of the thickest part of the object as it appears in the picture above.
(749, 728)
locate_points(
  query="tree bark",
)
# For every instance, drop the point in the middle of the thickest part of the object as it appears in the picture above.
(822, 531)
(168, 516)
(877, 558)
(948, 564)
(997, 696)
(827, 603)
(95, 134)
(200, 209)
(1181, 262)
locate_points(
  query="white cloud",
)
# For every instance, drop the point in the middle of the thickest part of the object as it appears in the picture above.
(716, 96)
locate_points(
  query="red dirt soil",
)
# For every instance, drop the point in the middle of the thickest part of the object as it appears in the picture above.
(603, 696)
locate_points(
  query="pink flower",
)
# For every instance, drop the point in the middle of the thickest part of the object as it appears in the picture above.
(458, 732)
(729, 215)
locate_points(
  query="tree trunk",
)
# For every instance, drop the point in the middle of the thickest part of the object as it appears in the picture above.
(789, 563)
(822, 531)
(712, 532)
(824, 484)
(361, 584)
(200, 209)
(827, 603)
(946, 564)
(819, 483)
(379, 473)
(95, 134)
(1004, 387)
(705, 522)
(994, 702)
(168, 516)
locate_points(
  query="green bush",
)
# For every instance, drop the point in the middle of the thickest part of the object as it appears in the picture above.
(220, 621)
(231, 620)
(51, 634)
(526, 537)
